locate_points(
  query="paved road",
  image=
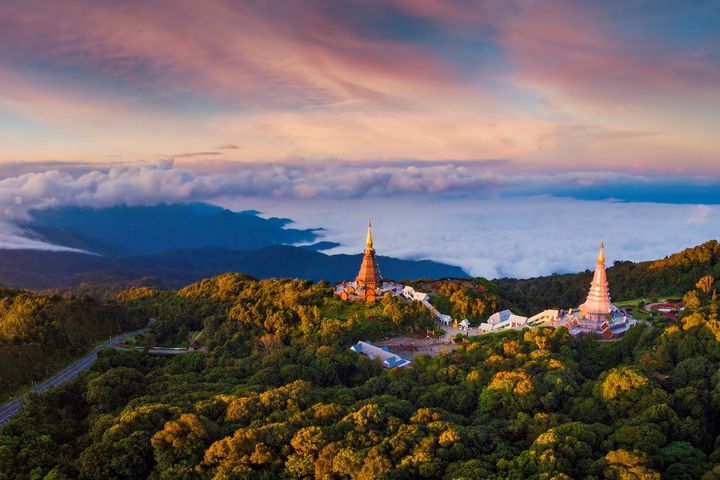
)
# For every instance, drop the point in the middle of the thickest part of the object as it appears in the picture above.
(14, 406)
(161, 351)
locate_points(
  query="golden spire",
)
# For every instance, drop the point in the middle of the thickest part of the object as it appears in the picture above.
(369, 241)
(601, 255)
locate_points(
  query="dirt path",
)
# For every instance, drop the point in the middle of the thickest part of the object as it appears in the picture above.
(410, 347)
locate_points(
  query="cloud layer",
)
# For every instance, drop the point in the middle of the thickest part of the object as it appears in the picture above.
(508, 237)
(473, 215)
(143, 183)
(161, 182)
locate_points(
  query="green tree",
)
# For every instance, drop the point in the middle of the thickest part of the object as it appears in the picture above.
(114, 388)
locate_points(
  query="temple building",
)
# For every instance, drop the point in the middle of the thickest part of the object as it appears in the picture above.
(369, 284)
(369, 277)
(597, 315)
(597, 307)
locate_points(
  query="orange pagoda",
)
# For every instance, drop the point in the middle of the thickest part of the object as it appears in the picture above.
(369, 284)
(369, 278)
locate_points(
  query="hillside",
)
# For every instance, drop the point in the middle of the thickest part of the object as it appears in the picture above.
(279, 395)
(41, 332)
(668, 277)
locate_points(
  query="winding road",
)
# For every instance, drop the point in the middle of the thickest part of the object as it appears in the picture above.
(14, 406)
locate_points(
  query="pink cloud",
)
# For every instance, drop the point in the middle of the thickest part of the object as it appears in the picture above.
(578, 47)
(282, 54)
(574, 48)
(313, 78)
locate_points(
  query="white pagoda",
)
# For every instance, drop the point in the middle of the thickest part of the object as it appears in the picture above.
(597, 315)
(597, 307)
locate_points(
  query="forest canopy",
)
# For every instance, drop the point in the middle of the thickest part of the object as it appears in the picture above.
(278, 394)
(40, 332)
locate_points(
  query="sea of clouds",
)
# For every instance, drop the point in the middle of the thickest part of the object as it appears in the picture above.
(463, 214)
(507, 237)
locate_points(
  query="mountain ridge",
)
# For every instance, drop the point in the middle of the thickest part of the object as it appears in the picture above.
(38, 269)
(122, 230)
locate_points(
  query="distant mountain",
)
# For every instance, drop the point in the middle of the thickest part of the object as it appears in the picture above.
(125, 231)
(173, 269)
(320, 246)
(173, 245)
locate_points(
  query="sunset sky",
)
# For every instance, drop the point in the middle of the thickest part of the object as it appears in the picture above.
(474, 125)
(623, 86)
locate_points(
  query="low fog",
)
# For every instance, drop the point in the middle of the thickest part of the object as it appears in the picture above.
(466, 215)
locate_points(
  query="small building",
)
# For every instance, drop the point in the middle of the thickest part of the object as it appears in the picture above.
(411, 294)
(546, 316)
(389, 360)
(422, 297)
(485, 327)
(517, 320)
(465, 324)
(408, 292)
(504, 320)
(445, 319)
(499, 317)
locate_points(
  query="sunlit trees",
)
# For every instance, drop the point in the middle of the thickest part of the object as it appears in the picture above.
(413, 315)
(41, 332)
(507, 393)
(465, 302)
(183, 441)
(627, 465)
(692, 301)
(705, 284)
(277, 394)
(624, 391)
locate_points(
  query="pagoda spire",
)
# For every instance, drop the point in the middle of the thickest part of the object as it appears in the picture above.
(369, 240)
(598, 305)
(369, 277)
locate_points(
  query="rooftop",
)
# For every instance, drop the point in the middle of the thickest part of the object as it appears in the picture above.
(389, 359)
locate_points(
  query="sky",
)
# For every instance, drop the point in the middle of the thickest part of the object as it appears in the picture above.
(620, 85)
(468, 111)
